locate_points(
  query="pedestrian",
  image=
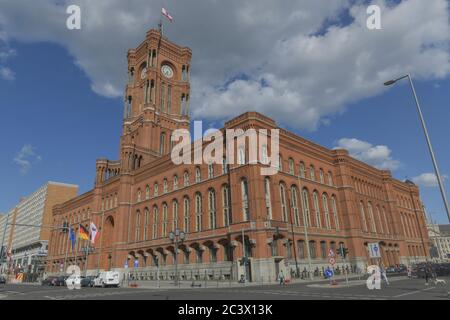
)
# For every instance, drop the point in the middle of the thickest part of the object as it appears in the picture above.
(409, 272)
(281, 278)
(383, 274)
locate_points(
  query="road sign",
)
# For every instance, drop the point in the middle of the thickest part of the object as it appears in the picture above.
(136, 263)
(331, 253)
(332, 261)
(374, 250)
(328, 273)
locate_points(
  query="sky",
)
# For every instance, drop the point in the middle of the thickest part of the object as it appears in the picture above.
(312, 65)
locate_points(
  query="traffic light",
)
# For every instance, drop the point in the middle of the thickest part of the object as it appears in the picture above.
(65, 227)
(343, 252)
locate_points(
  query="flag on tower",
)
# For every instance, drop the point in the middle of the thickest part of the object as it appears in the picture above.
(93, 232)
(72, 238)
(166, 14)
(83, 233)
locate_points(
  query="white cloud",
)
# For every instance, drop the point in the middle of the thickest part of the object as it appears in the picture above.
(428, 180)
(7, 74)
(26, 157)
(300, 70)
(377, 156)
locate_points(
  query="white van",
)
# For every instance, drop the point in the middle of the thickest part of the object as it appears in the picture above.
(107, 279)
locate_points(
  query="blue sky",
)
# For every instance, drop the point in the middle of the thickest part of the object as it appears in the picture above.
(55, 123)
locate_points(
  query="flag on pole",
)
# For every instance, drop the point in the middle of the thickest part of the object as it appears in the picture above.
(166, 14)
(93, 232)
(83, 233)
(72, 238)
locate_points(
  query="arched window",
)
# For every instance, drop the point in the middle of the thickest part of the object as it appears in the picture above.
(155, 190)
(163, 97)
(245, 205)
(305, 207)
(138, 196)
(198, 212)
(165, 221)
(212, 208)
(241, 155)
(226, 205)
(198, 175)
(283, 202)
(175, 182)
(330, 178)
(335, 212)
(312, 249)
(175, 215)
(264, 155)
(224, 166)
(169, 99)
(186, 214)
(317, 209)
(155, 223)
(162, 143)
(321, 176)
(295, 205)
(380, 221)
(326, 211)
(280, 163)
(386, 224)
(268, 198)
(186, 179)
(291, 166)
(165, 186)
(210, 171)
(363, 217)
(147, 192)
(138, 226)
(146, 222)
(371, 217)
(302, 170)
(312, 174)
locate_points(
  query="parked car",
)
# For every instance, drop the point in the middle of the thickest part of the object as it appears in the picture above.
(107, 279)
(88, 281)
(50, 281)
(60, 281)
(2, 280)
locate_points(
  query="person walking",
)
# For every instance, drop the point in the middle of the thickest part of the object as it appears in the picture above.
(409, 270)
(383, 274)
(281, 278)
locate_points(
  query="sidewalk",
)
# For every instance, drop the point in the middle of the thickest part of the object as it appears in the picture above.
(351, 283)
(186, 284)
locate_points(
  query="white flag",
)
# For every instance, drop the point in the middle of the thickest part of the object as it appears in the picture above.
(93, 232)
(166, 14)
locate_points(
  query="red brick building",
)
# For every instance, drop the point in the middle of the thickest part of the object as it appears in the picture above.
(138, 199)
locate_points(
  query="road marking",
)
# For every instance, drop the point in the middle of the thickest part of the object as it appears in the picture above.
(412, 292)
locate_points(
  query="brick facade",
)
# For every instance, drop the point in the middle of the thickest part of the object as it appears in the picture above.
(135, 198)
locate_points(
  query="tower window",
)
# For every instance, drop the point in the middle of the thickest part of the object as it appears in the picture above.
(162, 144)
(169, 99)
(163, 102)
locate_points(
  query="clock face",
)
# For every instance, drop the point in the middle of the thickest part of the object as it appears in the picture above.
(143, 73)
(167, 71)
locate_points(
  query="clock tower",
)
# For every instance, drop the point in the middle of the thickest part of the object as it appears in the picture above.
(156, 99)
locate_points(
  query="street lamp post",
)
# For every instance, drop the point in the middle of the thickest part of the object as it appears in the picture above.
(430, 148)
(177, 238)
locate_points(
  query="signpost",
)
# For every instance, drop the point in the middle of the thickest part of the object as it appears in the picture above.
(330, 273)
(374, 250)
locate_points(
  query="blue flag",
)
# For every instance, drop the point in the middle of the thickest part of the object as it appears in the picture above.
(72, 238)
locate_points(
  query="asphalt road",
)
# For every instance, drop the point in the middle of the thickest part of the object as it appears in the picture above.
(400, 288)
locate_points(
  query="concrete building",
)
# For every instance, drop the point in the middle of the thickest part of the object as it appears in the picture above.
(318, 200)
(30, 224)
